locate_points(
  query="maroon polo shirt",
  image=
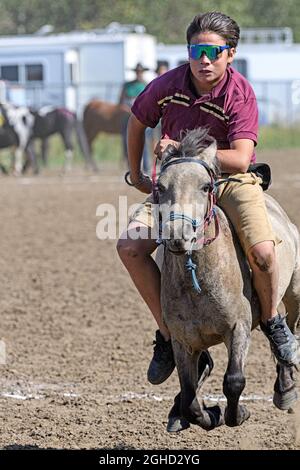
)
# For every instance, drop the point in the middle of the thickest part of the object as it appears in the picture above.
(229, 110)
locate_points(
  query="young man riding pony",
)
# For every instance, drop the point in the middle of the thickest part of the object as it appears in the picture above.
(208, 92)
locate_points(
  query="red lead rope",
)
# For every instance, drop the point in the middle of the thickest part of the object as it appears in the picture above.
(211, 214)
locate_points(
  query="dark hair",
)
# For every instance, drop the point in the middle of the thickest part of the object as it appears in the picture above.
(215, 22)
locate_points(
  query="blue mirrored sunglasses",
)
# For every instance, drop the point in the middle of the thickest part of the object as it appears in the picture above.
(210, 50)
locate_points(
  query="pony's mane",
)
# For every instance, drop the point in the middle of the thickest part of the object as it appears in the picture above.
(193, 144)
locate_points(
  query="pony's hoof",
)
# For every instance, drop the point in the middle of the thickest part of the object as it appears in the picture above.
(285, 401)
(242, 416)
(215, 416)
(177, 424)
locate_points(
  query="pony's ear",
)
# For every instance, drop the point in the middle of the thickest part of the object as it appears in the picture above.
(209, 154)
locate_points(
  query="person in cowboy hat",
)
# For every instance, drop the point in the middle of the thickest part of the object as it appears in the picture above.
(130, 90)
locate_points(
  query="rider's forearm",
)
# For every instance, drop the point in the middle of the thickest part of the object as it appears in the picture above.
(233, 161)
(135, 145)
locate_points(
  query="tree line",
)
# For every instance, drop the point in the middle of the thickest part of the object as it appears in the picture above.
(166, 19)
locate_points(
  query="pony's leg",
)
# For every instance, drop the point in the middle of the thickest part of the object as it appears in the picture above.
(191, 410)
(91, 134)
(85, 146)
(68, 160)
(291, 300)
(176, 422)
(44, 150)
(3, 169)
(31, 159)
(66, 135)
(285, 393)
(18, 166)
(237, 344)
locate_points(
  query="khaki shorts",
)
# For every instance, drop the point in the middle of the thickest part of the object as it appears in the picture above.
(244, 204)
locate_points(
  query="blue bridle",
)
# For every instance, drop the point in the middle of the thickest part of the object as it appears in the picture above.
(190, 266)
(211, 213)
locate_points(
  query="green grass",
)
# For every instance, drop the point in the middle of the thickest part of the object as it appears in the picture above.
(105, 148)
(108, 148)
(278, 137)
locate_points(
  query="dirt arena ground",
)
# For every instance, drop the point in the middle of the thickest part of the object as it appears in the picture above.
(79, 339)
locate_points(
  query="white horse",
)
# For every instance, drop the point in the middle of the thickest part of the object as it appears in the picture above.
(16, 130)
(227, 307)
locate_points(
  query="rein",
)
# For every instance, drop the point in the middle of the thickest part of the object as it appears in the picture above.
(196, 224)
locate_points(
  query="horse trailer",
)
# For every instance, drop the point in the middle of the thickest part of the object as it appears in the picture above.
(72, 68)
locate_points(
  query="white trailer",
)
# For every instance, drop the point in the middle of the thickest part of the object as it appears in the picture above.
(70, 69)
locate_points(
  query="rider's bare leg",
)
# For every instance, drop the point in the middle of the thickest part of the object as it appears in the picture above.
(136, 257)
(265, 271)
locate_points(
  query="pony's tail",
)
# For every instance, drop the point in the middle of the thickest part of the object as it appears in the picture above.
(83, 144)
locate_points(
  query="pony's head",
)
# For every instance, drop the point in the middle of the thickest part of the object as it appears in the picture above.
(185, 188)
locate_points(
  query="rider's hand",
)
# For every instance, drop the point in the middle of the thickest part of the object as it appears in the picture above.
(163, 144)
(142, 182)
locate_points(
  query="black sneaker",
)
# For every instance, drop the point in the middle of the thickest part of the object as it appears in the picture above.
(283, 343)
(162, 364)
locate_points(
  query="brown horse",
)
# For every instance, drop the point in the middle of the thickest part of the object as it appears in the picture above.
(99, 116)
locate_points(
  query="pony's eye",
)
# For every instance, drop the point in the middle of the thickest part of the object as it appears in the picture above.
(206, 187)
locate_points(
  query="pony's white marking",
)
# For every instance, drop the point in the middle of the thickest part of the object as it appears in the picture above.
(46, 110)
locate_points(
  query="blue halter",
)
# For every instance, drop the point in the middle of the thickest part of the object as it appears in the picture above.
(190, 266)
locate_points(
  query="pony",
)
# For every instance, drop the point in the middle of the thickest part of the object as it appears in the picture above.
(20, 126)
(100, 116)
(16, 129)
(50, 120)
(207, 294)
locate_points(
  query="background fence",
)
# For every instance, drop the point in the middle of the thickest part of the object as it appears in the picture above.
(278, 101)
